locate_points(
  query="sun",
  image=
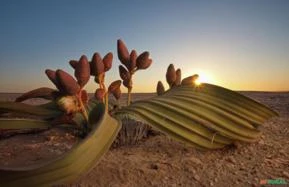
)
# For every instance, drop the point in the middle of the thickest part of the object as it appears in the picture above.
(198, 82)
(204, 76)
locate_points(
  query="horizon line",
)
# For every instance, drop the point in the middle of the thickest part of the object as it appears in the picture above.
(281, 91)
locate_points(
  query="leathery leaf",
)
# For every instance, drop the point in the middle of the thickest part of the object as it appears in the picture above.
(22, 108)
(205, 116)
(73, 164)
(23, 124)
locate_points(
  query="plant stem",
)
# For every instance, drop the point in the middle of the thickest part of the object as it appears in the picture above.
(84, 114)
(129, 89)
(105, 97)
(129, 96)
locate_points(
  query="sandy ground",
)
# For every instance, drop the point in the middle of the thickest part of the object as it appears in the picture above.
(161, 161)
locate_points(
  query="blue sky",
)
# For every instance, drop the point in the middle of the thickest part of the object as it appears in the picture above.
(241, 45)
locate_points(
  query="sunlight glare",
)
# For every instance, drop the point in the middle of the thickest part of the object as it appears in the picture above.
(204, 77)
(198, 82)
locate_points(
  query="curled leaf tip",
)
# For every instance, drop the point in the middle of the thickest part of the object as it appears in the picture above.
(45, 93)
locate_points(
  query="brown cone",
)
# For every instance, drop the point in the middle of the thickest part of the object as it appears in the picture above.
(171, 75)
(178, 77)
(190, 80)
(67, 83)
(123, 73)
(107, 61)
(82, 71)
(133, 57)
(127, 83)
(99, 94)
(117, 94)
(73, 63)
(52, 77)
(160, 88)
(123, 54)
(96, 65)
(143, 61)
(114, 86)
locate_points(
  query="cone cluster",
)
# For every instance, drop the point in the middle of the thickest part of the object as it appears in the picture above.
(131, 62)
(174, 78)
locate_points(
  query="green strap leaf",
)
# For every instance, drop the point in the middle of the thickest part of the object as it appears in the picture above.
(23, 124)
(23, 108)
(74, 163)
(208, 116)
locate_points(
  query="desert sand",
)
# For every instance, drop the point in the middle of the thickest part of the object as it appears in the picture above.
(161, 161)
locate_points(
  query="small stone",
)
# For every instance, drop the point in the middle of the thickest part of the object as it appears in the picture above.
(232, 160)
(195, 160)
(261, 142)
(269, 156)
(197, 177)
(193, 171)
(211, 183)
(237, 145)
(154, 166)
(251, 148)
(285, 174)
(242, 168)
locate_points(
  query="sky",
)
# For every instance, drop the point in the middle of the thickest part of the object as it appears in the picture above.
(240, 44)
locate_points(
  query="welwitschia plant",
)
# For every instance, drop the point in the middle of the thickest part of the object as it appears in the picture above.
(202, 115)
